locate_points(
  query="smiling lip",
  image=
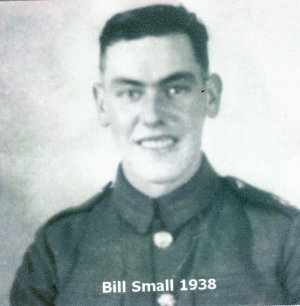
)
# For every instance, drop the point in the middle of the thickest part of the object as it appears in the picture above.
(158, 142)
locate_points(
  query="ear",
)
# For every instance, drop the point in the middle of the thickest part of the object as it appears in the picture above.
(214, 89)
(98, 92)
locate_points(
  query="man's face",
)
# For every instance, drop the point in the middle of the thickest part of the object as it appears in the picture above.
(154, 97)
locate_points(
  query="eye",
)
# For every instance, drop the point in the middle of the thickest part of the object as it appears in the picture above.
(130, 94)
(176, 90)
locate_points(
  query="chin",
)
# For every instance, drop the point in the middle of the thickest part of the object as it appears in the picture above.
(159, 172)
(150, 168)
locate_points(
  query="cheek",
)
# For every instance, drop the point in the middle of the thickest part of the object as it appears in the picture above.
(193, 108)
(194, 120)
(198, 107)
(121, 122)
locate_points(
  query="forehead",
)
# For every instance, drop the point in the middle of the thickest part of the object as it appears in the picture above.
(150, 58)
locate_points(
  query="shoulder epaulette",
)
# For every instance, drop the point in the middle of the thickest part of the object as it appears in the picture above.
(84, 207)
(252, 195)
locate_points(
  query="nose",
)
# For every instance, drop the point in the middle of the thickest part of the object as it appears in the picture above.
(152, 114)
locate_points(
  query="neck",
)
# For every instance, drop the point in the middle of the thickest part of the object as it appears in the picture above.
(155, 189)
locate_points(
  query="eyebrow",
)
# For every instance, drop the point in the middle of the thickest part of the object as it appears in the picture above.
(125, 81)
(183, 75)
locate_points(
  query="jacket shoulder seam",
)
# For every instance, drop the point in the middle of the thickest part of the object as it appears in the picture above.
(250, 195)
(85, 207)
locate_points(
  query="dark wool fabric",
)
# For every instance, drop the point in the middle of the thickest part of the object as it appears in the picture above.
(222, 228)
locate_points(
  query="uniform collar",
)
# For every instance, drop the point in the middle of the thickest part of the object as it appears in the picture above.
(176, 208)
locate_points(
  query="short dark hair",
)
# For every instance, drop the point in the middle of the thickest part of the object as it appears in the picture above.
(156, 20)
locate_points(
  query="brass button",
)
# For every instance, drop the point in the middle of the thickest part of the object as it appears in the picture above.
(240, 184)
(163, 239)
(166, 299)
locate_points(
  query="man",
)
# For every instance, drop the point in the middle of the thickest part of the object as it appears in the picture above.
(170, 230)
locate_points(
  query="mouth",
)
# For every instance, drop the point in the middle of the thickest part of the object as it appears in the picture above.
(158, 142)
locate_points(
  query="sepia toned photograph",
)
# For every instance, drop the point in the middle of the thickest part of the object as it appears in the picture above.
(149, 152)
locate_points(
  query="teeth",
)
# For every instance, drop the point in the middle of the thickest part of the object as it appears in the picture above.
(157, 144)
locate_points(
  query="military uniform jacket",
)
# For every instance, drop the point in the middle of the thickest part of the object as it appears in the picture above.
(222, 229)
